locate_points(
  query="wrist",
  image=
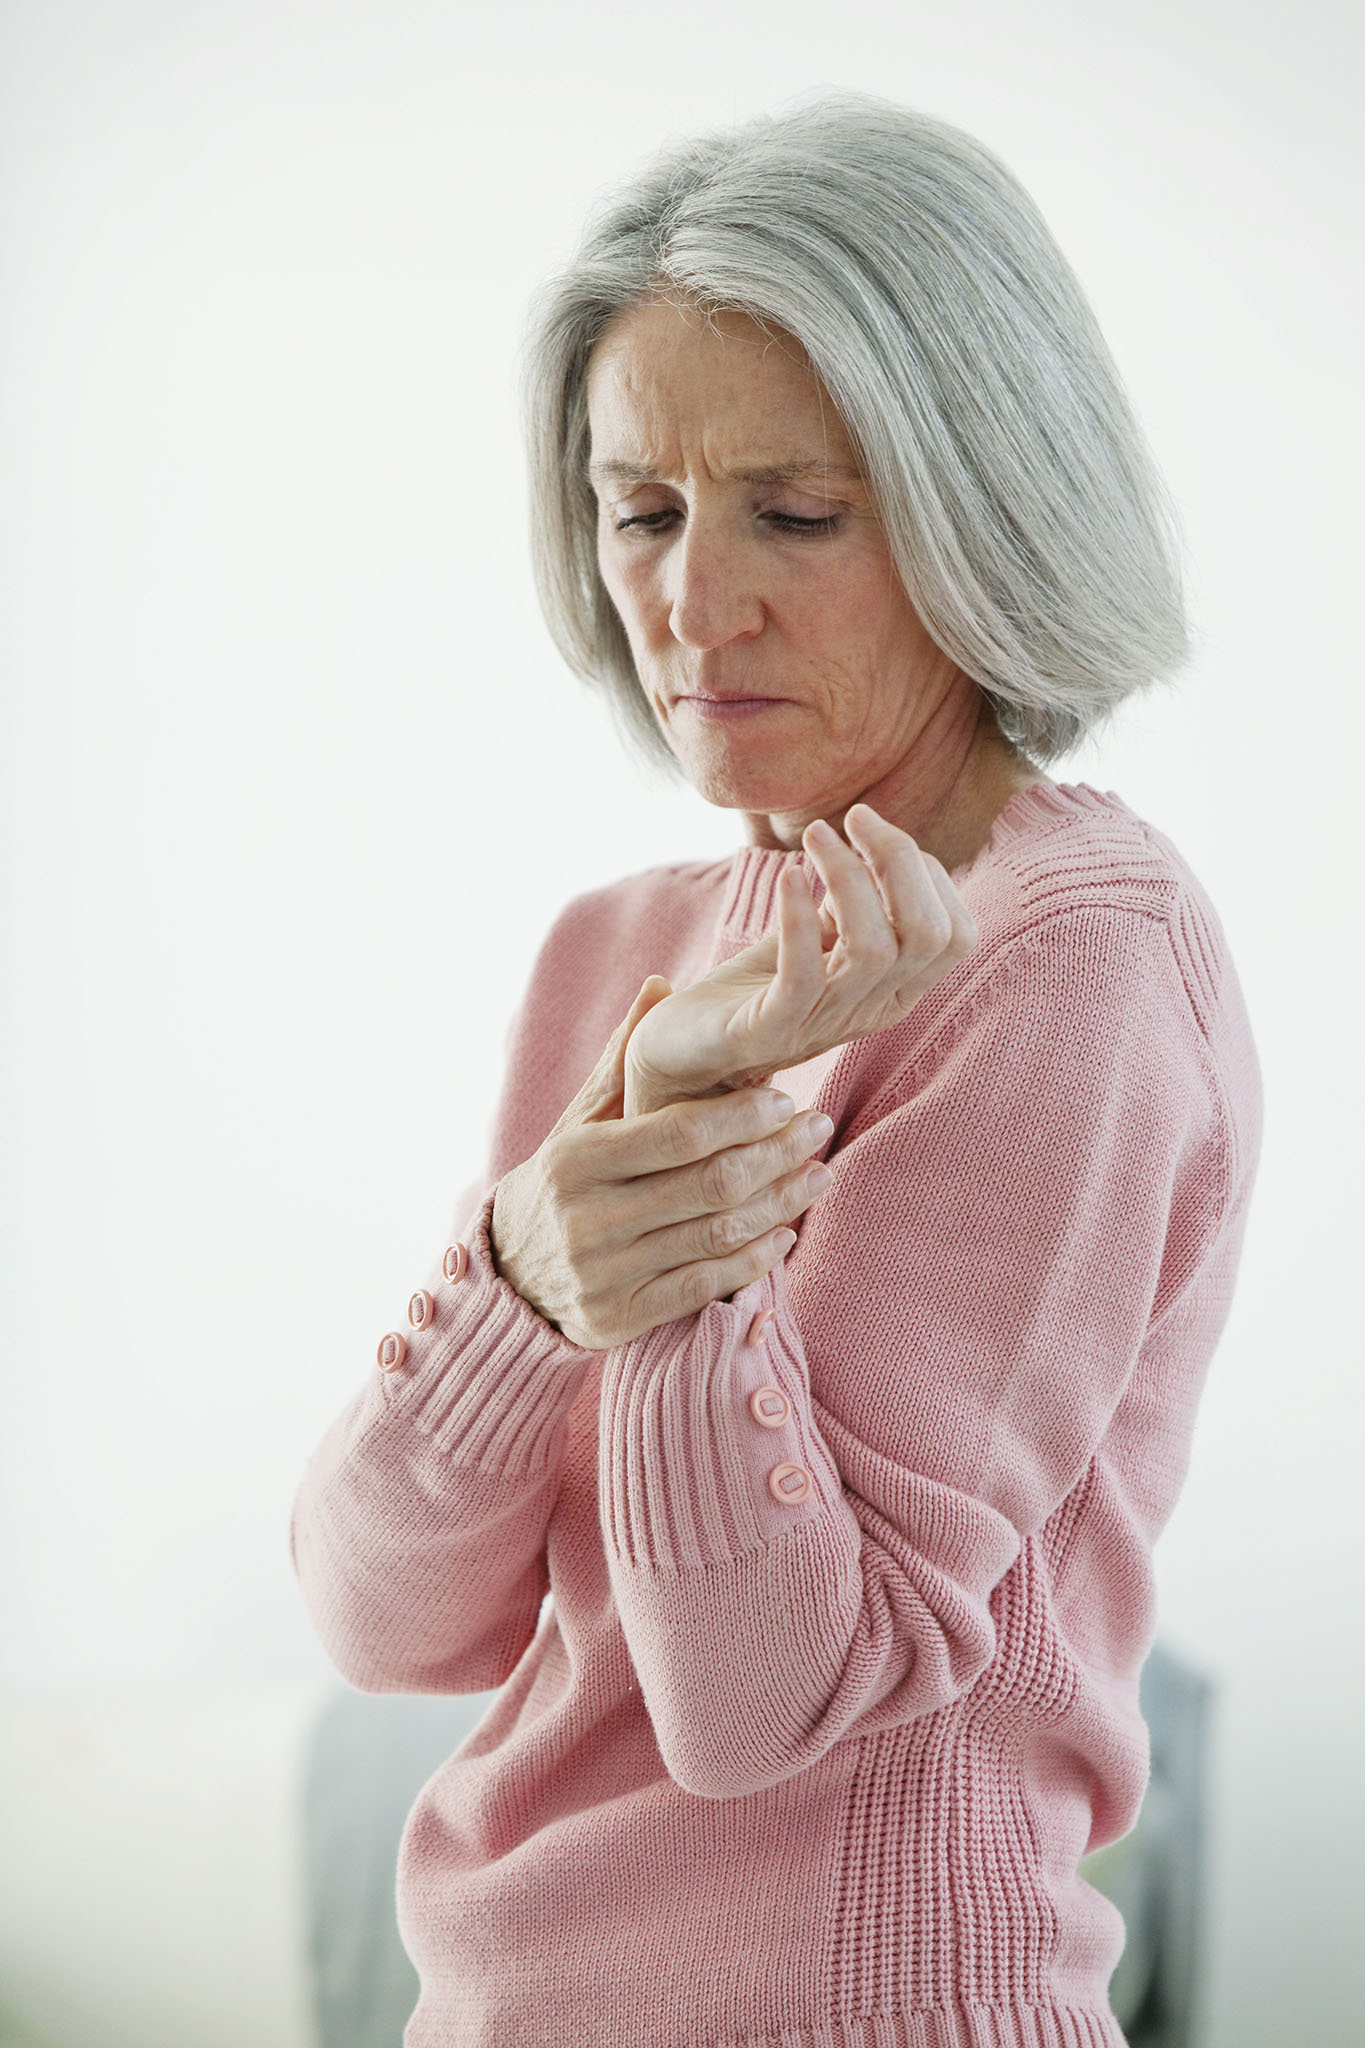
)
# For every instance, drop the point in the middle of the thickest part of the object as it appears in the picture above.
(661, 1097)
(644, 1092)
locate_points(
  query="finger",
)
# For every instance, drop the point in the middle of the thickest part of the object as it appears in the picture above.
(918, 912)
(677, 1135)
(689, 1288)
(607, 1078)
(716, 1233)
(661, 1220)
(731, 1185)
(852, 894)
(965, 929)
(653, 989)
(799, 979)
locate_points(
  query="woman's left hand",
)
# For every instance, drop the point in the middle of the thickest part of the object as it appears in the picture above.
(890, 926)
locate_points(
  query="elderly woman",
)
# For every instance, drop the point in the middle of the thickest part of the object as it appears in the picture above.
(843, 1477)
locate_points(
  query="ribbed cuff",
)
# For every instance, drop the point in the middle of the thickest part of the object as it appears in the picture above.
(685, 1465)
(489, 1380)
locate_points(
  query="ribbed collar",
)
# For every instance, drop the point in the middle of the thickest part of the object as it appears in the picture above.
(749, 904)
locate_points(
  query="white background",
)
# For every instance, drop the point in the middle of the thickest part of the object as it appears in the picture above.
(294, 784)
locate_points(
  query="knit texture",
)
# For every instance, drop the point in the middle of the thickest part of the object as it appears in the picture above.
(818, 1772)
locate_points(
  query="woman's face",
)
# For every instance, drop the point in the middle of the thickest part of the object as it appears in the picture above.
(733, 581)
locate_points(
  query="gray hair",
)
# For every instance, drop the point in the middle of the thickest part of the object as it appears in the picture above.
(1021, 506)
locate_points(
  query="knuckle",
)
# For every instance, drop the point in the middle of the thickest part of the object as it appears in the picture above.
(724, 1231)
(706, 1128)
(936, 924)
(673, 1134)
(880, 950)
(723, 1180)
(695, 1287)
(922, 938)
(757, 1257)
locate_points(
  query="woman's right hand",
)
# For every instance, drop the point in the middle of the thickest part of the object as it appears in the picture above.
(617, 1224)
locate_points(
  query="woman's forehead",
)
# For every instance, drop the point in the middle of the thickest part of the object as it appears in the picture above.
(657, 374)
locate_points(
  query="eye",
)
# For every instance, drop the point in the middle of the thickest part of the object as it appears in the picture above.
(795, 525)
(786, 520)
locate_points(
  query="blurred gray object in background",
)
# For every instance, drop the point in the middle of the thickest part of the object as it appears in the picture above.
(371, 1753)
(1156, 1874)
(369, 1756)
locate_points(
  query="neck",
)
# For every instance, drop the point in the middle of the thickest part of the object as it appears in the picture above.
(946, 792)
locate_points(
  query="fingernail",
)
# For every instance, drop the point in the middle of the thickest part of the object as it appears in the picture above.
(778, 1106)
(818, 1177)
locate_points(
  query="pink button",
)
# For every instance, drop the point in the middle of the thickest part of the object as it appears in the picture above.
(456, 1262)
(758, 1328)
(770, 1407)
(789, 1483)
(393, 1349)
(421, 1308)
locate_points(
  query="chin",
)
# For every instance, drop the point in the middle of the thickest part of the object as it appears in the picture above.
(741, 792)
(720, 772)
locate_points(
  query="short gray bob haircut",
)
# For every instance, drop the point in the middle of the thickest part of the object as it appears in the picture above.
(1027, 520)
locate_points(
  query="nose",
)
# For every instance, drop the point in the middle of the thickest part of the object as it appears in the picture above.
(714, 596)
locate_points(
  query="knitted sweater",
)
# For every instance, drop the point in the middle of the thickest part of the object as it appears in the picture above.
(816, 1636)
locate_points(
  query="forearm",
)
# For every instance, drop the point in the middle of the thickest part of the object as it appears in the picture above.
(816, 1586)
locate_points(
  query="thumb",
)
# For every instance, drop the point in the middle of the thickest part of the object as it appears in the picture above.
(610, 1071)
(653, 989)
(602, 1095)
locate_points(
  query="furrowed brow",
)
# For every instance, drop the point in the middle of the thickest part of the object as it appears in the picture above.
(616, 471)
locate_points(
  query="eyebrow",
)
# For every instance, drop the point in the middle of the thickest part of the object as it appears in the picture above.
(757, 473)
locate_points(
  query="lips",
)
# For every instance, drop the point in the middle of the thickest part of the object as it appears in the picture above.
(726, 710)
(729, 697)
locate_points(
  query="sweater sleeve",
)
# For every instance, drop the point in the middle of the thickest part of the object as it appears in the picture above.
(418, 1530)
(809, 1492)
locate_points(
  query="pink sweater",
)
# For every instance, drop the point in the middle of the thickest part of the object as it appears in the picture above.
(834, 1683)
